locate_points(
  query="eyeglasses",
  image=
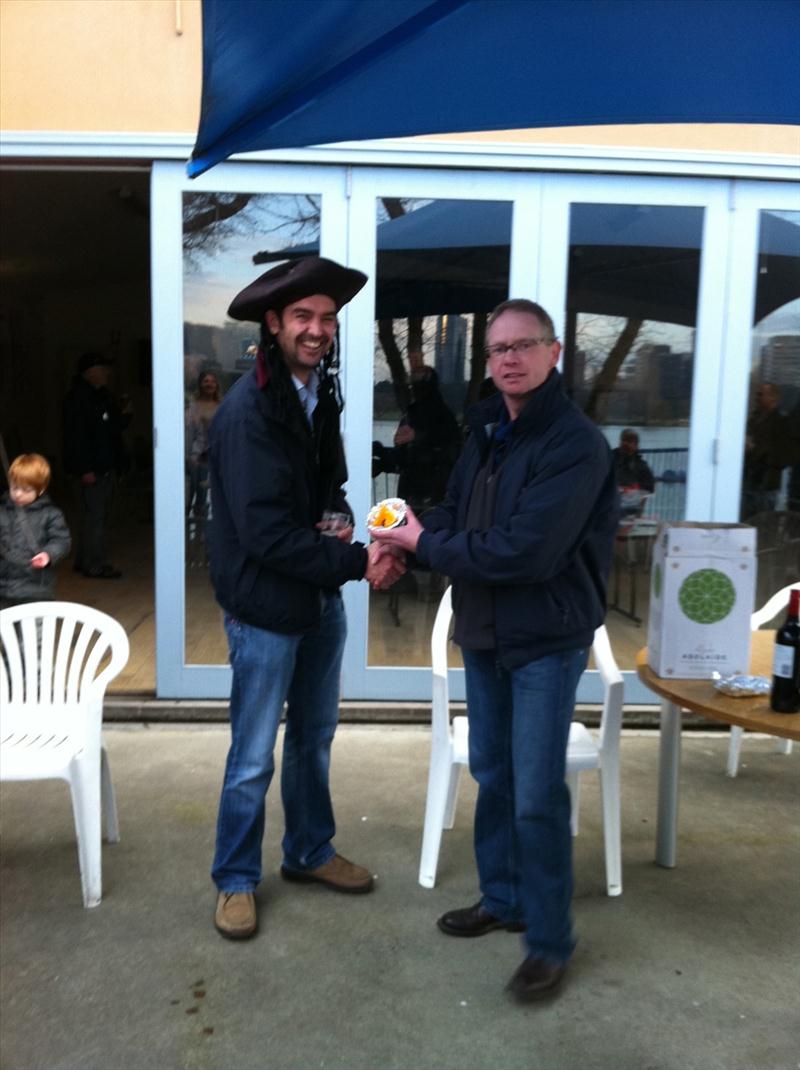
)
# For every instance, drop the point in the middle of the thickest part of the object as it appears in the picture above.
(523, 345)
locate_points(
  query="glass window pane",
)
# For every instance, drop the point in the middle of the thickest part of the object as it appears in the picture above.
(633, 283)
(771, 470)
(226, 236)
(442, 266)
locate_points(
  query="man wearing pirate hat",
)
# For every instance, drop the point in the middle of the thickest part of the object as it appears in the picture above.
(276, 462)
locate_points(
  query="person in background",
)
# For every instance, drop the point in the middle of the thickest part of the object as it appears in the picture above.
(634, 476)
(426, 443)
(631, 469)
(277, 465)
(792, 458)
(764, 452)
(526, 532)
(199, 414)
(34, 535)
(94, 453)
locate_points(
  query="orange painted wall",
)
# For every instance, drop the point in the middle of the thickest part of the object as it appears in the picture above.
(100, 65)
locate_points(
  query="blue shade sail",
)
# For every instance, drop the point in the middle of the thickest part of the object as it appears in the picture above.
(285, 73)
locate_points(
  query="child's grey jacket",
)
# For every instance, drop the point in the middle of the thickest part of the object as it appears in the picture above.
(24, 532)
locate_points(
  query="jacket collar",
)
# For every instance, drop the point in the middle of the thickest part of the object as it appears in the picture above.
(544, 405)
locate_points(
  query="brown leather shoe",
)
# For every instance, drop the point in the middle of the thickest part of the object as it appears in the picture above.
(235, 916)
(536, 979)
(338, 874)
(475, 921)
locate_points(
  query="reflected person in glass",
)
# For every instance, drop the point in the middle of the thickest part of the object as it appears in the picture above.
(276, 464)
(199, 414)
(525, 531)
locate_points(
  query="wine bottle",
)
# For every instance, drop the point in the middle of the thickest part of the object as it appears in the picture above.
(785, 696)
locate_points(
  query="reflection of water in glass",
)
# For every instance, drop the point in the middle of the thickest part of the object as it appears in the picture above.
(666, 450)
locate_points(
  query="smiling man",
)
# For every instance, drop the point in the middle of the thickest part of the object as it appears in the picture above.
(276, 463)
(525, 531)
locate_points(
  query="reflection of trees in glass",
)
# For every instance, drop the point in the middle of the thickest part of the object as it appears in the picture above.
(211, 221)
(397, 335)
(459, 393)
(395, 207)
(627, 370)
(605, 380)
(392, 207)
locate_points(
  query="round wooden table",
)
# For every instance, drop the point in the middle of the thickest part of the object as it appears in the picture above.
(699, 696)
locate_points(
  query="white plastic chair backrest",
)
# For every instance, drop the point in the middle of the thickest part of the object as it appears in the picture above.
(779, 601)
(613, 690)
(613, 685)
(65, 670)
(440, 706)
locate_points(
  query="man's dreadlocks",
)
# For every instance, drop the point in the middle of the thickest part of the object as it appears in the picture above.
(327, 371)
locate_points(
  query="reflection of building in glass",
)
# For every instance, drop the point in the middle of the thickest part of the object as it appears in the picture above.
(675, 374)
(226, 348)
(653, 386)
(663, 382)
(450, 348)
(780, 360)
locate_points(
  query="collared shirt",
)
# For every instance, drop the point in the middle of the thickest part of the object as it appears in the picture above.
(307, 392)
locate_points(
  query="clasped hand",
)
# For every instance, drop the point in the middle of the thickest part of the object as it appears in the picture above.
(402, 538)
(385, 565)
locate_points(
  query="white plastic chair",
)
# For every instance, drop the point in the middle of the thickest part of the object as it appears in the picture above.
(770, 608)
(449, 753)
(56, 660)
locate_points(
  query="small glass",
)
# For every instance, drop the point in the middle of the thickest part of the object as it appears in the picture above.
(332, 523)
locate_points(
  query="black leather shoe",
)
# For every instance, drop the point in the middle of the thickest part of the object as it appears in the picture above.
(474, 921)
(536, 979)
(107, 572)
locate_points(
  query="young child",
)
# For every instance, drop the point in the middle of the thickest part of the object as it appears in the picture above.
(33, 534)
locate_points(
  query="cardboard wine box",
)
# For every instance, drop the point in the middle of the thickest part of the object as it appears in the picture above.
(702, 589)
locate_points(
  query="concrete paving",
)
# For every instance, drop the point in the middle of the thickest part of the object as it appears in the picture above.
(690, 969)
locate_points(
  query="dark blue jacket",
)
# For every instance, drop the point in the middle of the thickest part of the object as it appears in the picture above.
(271, 477)
(547, 555)
(93, 426)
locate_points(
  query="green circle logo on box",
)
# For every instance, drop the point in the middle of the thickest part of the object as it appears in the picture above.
(707, 596)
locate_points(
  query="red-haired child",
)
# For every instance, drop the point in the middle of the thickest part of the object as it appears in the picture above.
(33, 534)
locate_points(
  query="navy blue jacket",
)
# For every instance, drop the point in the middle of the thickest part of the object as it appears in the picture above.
(93, 426)
(547, 555)
(269, 486)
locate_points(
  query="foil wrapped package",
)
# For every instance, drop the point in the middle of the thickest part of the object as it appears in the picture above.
(389, 513)
(740, 686)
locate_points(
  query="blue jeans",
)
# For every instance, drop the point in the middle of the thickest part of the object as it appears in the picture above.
(518, 733)
(269, 669)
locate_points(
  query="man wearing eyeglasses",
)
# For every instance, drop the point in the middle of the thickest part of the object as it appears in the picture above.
(525, 532)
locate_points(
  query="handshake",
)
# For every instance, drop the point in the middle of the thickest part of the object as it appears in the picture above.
(385, 565)
(396, 532)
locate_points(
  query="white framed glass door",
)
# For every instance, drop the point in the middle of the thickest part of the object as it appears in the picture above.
(635, 270)
(659, 288)
(210, 237)
(759, 471)
(628, 267)
(441, 250)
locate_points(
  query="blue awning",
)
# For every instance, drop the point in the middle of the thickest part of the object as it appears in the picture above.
(285, 73)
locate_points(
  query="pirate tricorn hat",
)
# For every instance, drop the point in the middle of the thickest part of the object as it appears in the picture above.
(293, 281)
